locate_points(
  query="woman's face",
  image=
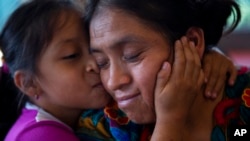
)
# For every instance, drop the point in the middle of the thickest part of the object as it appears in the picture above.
(129, 54)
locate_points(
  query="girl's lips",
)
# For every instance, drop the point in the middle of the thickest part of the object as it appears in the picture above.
(100, 88)
(97, 84)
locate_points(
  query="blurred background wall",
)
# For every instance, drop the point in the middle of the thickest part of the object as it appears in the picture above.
(237, 44)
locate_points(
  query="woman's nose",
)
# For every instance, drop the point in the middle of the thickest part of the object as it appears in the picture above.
(118, 78)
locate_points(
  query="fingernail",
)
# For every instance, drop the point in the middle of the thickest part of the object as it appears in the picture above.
(165, 65)
(192, 44)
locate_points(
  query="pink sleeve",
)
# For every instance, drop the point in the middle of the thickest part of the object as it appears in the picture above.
(47, 131)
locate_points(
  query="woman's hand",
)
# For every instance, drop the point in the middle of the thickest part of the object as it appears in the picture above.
(175, 91)
(215, 66)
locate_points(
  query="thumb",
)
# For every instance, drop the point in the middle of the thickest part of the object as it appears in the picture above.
(162, 77)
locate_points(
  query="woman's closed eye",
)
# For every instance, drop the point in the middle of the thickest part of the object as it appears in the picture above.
(132, 57)
(101, 64)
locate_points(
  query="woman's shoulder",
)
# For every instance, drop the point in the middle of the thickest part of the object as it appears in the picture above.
(234, 109)
(242, 82)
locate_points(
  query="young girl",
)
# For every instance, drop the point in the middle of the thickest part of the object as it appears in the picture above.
(48, 57)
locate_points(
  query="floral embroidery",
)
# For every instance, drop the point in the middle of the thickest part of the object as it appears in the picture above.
(222, 114)
(113, 112)
(246, 97)
(243, 69)
(146, 133)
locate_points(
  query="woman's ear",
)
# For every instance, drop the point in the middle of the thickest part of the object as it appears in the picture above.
(26, 83)
(196, 35)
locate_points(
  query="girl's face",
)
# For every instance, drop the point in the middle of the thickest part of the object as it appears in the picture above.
(129, 54)
(67, 73)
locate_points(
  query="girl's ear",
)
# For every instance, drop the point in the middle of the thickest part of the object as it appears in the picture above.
(26, 83)
(196, 35)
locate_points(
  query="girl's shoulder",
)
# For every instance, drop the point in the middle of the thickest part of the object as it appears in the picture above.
(47, 130)
(27, 128)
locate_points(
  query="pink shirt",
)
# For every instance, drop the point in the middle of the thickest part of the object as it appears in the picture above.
(38, 125)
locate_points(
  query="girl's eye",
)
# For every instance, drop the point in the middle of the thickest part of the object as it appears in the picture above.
(71, 56)
(132, 58)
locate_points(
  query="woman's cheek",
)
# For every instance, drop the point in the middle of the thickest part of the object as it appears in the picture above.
(104, 78)
(146, 78)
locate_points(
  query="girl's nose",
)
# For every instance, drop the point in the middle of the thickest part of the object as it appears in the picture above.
(91, 65)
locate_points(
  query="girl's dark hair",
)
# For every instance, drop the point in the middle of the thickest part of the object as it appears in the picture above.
(9, 110)
(29, 30)
(174, 17)
(24, 37)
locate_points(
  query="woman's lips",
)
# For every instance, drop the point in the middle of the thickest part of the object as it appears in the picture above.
(126, 100)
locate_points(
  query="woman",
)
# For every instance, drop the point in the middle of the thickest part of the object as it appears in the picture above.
(132, 39)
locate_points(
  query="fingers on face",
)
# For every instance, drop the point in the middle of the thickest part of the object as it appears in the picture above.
(192, 60)
(162, 77)
(179, 60)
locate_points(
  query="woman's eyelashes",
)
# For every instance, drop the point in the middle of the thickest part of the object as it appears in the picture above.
(131, 57)
(103, 63)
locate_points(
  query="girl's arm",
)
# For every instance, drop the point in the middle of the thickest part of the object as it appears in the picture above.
(216, 65)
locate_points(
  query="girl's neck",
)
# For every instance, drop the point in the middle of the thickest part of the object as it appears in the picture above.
(69, 116)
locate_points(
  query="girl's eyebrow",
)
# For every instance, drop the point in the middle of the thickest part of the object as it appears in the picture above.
(128, 39)
(67, 40)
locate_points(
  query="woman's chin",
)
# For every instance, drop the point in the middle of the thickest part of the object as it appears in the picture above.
(142, 118)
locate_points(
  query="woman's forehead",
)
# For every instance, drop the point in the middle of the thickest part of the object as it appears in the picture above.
(113, 20)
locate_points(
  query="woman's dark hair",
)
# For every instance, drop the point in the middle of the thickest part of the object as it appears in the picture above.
(174, 17)
(24, 37)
